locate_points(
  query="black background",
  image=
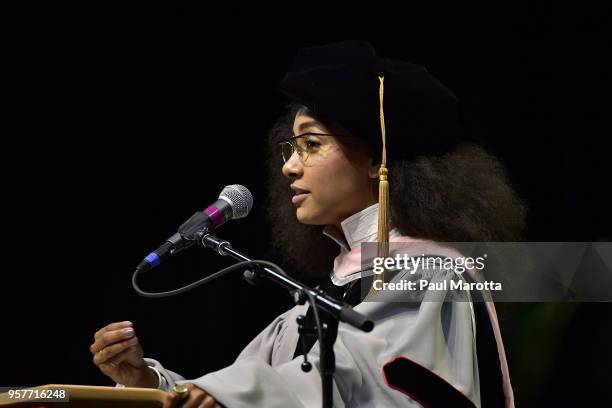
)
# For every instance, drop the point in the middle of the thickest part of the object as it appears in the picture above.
(122, 120)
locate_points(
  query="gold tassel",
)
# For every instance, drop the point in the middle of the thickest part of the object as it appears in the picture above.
(383, 194)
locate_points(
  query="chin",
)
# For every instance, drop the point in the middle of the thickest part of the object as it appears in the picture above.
(306, 217)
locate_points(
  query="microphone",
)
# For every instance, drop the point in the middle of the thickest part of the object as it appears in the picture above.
(235, 201)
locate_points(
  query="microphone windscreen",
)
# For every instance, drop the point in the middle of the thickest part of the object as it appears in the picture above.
(240, 198)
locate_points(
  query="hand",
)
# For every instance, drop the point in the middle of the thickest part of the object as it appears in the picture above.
(197, 398)
(118, 354)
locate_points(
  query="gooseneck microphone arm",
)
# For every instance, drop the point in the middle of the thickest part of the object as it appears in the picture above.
(337, 309)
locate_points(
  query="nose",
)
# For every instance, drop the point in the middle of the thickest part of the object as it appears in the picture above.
(293, 167)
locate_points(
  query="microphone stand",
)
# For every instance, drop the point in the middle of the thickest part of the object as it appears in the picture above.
(334, 310)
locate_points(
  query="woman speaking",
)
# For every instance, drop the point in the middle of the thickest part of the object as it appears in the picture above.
(371, 150)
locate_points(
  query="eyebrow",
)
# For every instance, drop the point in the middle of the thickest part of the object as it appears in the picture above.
(307, 124)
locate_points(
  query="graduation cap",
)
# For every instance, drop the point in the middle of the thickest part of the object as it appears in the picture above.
(397, 106)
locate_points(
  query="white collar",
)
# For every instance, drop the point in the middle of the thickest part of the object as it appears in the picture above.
(359, 227)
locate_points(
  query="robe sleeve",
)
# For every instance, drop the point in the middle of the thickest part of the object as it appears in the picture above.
(431, 340)
(260, 348)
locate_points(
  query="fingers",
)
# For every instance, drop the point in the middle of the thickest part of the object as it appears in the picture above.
(126, 354)
(110, 352)
(171, 401)
(112, 327)
(197, 398)
(209, 402)
(110, 335)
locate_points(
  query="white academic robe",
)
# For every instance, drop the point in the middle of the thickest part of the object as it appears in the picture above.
(434, 339)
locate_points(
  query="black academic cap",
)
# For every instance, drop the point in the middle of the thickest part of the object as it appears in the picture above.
(339, 83)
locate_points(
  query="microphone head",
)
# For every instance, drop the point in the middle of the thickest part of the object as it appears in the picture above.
(240, 199)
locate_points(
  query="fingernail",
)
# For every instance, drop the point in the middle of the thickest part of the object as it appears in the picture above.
(132, 341)
(128, 330)
(128, 323)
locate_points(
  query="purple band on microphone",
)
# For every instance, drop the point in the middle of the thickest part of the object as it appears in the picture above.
(215, 215)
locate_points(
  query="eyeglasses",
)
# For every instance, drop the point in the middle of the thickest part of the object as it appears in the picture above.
(308, 148)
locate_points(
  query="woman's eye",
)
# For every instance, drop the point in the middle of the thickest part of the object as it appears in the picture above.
(310, 145)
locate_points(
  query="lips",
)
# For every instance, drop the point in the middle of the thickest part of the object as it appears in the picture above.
(300, 194)
(298, 190)
(298, 198)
